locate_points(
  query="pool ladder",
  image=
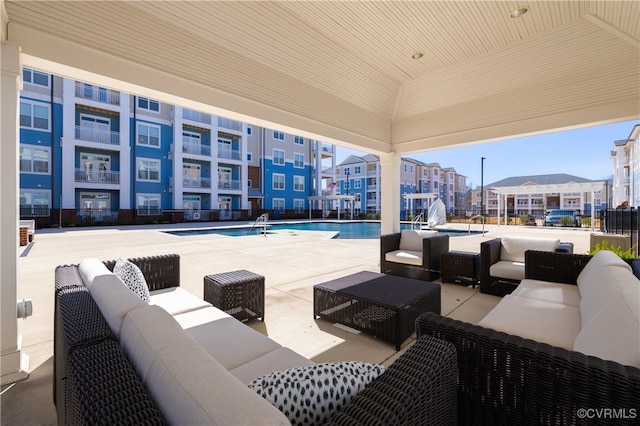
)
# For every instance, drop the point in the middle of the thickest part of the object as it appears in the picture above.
(262, 221)
(418, 221)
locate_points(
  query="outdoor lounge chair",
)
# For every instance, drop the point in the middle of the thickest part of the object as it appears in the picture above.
(413, 254)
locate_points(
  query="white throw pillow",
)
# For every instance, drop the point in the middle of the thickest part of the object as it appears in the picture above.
(411, 239)
(513, 248)
(133, 278)
(312, 395)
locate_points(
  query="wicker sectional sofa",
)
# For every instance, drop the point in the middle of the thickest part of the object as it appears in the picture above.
(179, 360)
(506, 378)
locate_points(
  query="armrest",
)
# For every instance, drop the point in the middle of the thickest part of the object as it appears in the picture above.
(489, 254)
(432, 249)
(419, 388)
(554, 267)
(388, 242)
(504, 378)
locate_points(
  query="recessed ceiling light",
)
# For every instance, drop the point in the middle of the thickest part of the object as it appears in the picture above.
(516, 13)
(417, 55)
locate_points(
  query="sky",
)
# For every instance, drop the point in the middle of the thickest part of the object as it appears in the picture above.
(583, 152)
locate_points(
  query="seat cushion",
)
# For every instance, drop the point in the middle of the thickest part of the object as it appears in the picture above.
(280, 359)
(407, 257)
(565, 294)
(508, 269)
(176, 300)
(228, 340)
(539, 320)
(513, 248)
(188, 385)
(411, 239)
(312, 395)
(614, 331)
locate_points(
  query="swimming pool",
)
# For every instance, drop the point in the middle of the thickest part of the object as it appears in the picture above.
(345, 230)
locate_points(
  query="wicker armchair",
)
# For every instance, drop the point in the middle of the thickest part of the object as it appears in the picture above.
(505, 379)
(432, 249)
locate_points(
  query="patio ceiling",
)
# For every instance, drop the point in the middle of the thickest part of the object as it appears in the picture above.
(342, 71)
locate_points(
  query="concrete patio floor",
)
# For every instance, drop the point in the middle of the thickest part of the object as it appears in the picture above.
(291, 261)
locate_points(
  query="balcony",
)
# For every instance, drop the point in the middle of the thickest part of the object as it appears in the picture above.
(97, 135)
(197, 149)
(235, 185)
(227, 153)
(230, 124)
(202, 183)
(98, 177)
(97, 94)
(197, 116)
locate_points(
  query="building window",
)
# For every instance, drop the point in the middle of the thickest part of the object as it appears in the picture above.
(278, 181)
(148, 104)
(278, 135)
(249, 157)
(346, 185)
(35, 77)
(357, 184)
(597, 201)
(34, 159)
(34, 203)
(298, 140)
(34, 115)
(148, 135)
(278, 204)
(148, 204)
(298, 160)
(249, 130)
(356, 170)
(249, 183)
(346, 171)
(298, 205)
(149, 170)
(411, 169)
(278, 157)
(298, 183)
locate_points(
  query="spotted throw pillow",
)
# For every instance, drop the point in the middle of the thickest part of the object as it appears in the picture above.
(133, 278)
(312, 395)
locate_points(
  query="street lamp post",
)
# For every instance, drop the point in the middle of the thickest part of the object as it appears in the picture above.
(482, 191)
(346, 172)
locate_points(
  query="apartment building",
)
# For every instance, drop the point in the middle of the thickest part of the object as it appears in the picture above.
(524, 202)
(625, 156)
(89, 154)
(420, 183)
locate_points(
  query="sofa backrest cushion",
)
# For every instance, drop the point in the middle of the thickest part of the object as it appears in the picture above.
(114, 299)
(185, 381)
(90, 268)
(613, 333)
(602, 259)
(513, 248)
(411, 239)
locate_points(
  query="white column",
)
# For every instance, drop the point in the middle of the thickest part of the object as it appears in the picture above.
(593, 209)
(390, 193)
(125, 152)
(244, 168)
(14, 364)
(178, 157)
(68, 144)
(498, 212)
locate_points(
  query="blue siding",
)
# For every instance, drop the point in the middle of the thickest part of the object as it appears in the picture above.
(288, 194)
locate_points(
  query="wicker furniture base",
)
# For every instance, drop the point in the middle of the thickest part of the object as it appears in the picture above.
(460, 267)
(238, 293)
(385, 306)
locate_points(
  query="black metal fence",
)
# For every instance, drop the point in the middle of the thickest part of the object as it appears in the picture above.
(621, 222)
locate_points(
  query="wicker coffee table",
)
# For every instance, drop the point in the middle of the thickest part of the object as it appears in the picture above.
(385, 306)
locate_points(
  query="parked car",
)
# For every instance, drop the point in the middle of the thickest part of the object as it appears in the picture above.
(562, 217)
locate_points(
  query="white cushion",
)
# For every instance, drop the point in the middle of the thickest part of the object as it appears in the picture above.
(598, 262)
(228, 340)
(404, 256)
(507, 269)
(114, 299)
(411, 239)
(312, 395)
(90, 268)
(614, 331)
(280, 359)
(187, 384)
(602, 285)
(133, 278)
(513, 248)
(542, 321)
(565, 294)
(176, 300)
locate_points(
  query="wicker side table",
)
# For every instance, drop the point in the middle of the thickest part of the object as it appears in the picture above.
(460, 267)
(238, 293)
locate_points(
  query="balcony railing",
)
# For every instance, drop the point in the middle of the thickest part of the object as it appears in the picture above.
(200, 117)
(149, 211)
(197, 183)
(107, 177)
(95, 135)
(197, 149)
(229, 124)
(90, 216)
(233, 184)
(229, 154)
(97, 94)
(30, 211)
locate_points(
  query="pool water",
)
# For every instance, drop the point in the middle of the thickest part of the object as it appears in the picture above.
(345, 230)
